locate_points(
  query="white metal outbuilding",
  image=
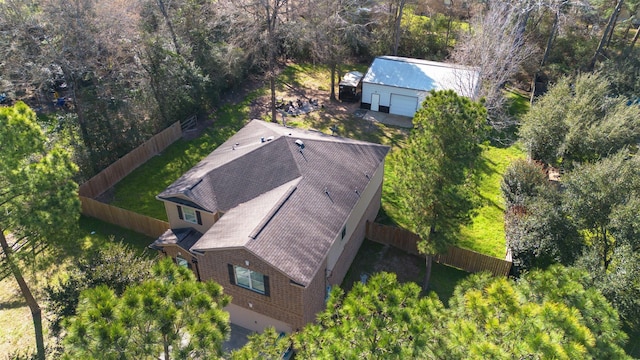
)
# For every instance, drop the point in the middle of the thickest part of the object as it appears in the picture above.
(398, 85)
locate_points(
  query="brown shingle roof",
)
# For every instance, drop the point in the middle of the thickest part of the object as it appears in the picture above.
(299, 200)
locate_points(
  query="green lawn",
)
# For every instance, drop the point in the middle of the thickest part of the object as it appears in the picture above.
(137, 191)
(486, 232)
(16, 327)
(517, 102)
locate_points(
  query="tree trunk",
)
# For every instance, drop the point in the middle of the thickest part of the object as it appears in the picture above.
(272, 76)
(633, 42)
(522, 19)
(396, 28)
(152, 71)
(446, 41)
(36, 313)
(272, 18)
(82, 122)
(547, 50)
(605, 248)
(272, 85)
(605, 35)
(165, 344)
(615, 22)
(427, 275)
(333, 82)
(165, 14)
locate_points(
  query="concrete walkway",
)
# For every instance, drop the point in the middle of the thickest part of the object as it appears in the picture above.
(389, 119)
(237, 339)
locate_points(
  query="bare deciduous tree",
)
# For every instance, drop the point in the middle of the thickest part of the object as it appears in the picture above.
(608, 29)
(496, 45)
(257, 29)
(332, 29)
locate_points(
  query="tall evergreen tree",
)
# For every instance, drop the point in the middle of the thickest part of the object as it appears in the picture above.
(172, 314)
(38, 198)
(435, 187)
(547, 314)
(578, 121)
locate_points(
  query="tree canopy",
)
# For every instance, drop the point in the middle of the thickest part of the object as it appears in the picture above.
(117, 266)
(546, 314)
(579, 121)
(434, 188)
(601, 199)
(38, 198)
(436, 163)
(592, 223)
(171, 314)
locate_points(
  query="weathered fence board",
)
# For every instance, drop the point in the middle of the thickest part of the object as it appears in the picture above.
(126, 164)
(467, 260)
(124, 218)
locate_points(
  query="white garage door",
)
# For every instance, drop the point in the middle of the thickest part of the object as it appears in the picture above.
(403, 105)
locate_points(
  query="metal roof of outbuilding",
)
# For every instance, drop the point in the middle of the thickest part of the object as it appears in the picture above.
(423, 75)
(352, 78)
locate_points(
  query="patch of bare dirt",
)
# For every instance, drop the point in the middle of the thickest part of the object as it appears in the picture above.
(260, 108)
(373, 258)
(407, 267)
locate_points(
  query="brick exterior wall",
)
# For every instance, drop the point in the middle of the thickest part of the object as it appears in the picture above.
(314, 297)
(173, 250)
(285, 301)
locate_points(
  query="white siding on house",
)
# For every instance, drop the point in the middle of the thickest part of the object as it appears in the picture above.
(386, 91)
(252, 320)
(357, 213)
(403, 105)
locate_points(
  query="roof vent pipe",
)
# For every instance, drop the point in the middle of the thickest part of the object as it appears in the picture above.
(300, 144)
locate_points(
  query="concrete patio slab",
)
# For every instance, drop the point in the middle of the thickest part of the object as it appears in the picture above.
(238, 338)
(389, 119)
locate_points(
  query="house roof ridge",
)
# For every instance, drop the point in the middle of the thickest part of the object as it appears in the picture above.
(311, 134)
(254, 234)
(251, 214)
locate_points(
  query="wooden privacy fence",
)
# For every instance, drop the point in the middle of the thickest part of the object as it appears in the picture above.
(126, 164)
(472, 261)
(464, 259)
(402, 239)
(124, 218)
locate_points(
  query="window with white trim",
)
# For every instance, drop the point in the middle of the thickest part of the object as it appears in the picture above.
(182, 262)
(190, 215)
(249, 279)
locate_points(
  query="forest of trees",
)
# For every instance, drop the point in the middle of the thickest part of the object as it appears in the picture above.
(103, 76)
(587, 219)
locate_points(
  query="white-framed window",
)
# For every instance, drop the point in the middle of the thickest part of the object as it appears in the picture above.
(251, 280)
(182, 262)
(190, 215)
